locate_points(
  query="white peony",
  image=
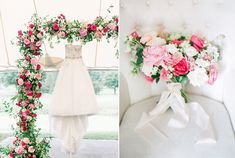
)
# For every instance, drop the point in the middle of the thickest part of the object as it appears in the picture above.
(190, 51)
(171, 48)
(202, 63)
(147, 70)
(198, 77)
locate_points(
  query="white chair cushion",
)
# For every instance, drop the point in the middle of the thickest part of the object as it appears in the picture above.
(133, 146)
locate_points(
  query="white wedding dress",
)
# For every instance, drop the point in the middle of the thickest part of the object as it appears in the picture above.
(73, 100)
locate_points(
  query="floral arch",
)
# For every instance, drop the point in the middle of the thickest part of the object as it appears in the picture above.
(28, 143)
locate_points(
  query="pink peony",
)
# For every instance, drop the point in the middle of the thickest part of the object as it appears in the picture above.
(181, 67)
(19, 150)
(20, 81)
(26, 42)
(55, 27)
(149, 79)
(31, 149)
(172, 60)
(155, 55)
(83, 32)
(213, 73)
(112, 26)
(164, 74)
(197, 42)
(34, 61)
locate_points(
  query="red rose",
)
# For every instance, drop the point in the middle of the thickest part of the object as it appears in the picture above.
(27, 58)
(39, 84)
(197, 42)
(38, 67)
(93, 27)
(29, 93)
(20, 33)
(116, 28)
(116, 20)
(134, 34)
(55, 27)
(28, 85)
(34, 115)
(31, 26)
(18, 104)
(36, 53)
(105, 30)
(24, 129)
(181, 68)
(27, 112)
(177, 42)
(30, 32)
(38, 95)
(22, 77)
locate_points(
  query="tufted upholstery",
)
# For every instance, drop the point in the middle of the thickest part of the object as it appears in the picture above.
(204, 17)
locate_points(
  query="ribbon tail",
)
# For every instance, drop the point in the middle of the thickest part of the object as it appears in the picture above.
(202, 119)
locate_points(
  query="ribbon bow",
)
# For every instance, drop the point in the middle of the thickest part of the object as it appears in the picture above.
(182, 114)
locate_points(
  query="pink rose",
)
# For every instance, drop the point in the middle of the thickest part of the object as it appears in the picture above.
(38, 76)
(29, 93)
(213, 73)
(155, 55)
(99, 33)
(149, 79)
(181, 67)
(39, 43)
(26, 42)
(30, 32)
(19, 150)
(34, 61)
(20, 33)
(197, 42)
(112, 26)
(31, 106)
(25, 140)
(55, 27)
(83, 32)
(134, 34)
(164, 74)
(20, 81)
(31, 26)
(31, 149)
(93, 27)
(146, 39)
(28, 85)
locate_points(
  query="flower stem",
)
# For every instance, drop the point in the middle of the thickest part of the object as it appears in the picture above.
(184, 95)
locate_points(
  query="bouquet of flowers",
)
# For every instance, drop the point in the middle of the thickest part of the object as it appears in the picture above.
(174, 58)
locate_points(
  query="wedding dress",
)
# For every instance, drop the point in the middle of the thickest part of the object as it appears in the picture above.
(73, 100)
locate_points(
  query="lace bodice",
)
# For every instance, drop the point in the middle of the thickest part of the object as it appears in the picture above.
(73, 51)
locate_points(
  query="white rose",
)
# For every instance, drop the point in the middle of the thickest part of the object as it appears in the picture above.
(171, 48)
(185, 44)
(158, 41)
(202, 63)
(147, 70)
(190, 51)
(198, 77)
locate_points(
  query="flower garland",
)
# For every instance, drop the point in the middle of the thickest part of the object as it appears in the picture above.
(174, 58)
(28, 143)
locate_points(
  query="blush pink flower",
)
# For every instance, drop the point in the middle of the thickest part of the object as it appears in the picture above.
(31, 149)
(39, 35)
(164, 74)
(112, 26)
(155, 55)
(146, 39)
(197, 42)
(192, 63)
(38, 76)
(26, 42)
(83, 32)
(62, 34)
(39, 43)
(213, 73)
(20, 81)
(34, 61)
(19, 150)
(148, 78)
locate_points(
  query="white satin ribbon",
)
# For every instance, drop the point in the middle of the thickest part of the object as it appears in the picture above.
(182, 114)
